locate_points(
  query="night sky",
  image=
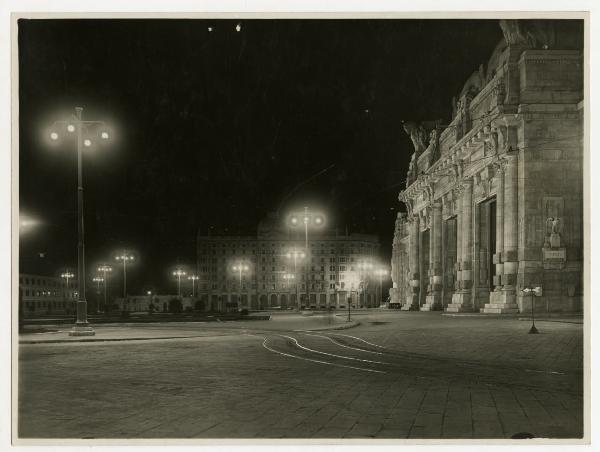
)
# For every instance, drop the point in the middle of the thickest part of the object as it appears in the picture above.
(216, 129)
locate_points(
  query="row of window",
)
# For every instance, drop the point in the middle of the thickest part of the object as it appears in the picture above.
(332, 260)
(47, 293)
(271, 286)
(32, 305)
(24, 280)
(232, 244)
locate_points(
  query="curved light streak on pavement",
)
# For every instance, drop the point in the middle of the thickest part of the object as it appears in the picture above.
(339, 344)
(317, 360)
(358, 339)
(331, 354)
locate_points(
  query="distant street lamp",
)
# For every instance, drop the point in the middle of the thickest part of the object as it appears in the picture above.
(239, 268)
(150, 306)
(98, 280)
(178, 273)
(77, 125)
(296, 255)
(288, 277)
(308, 219)
(106, 271)
(381, 272)
(363, 271)
(193, 278)
(66, 276)
(125, 257)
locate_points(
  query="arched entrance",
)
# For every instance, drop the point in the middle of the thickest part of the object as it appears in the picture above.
(322, 300)
(284, 302)
(262, 302)
(274, 303)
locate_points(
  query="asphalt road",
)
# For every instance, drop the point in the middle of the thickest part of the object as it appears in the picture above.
(396, 375)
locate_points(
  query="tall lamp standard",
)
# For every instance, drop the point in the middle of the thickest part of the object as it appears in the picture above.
(66, 276)
(178, 273)
(363, 270)
(239, 268)
(125, 257)
(288, 277)
(78, 126)
(308, 219)
(98, 280)
(380, 272)
(193, 278)
(105, 270)
(296, 255)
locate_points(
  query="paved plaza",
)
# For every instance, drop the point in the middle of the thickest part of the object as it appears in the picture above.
(394, 375)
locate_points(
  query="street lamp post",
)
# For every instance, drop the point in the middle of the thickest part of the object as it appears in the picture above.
(308, 219)
(105, 270)
(178, 273)
(76, 125)
(288, 277)
(150, 305)
(239, 268)
(380, 272)
(125, 257)
(296, 255)
(533, 291)
(98, 280)
(193, 278)
(363, 269)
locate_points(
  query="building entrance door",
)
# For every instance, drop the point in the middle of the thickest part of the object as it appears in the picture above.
(450, 254)
(487, 248)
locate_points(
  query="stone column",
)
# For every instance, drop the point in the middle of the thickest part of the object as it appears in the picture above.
(499, 226)
(458, 193)
(433, 300)
(461, 299)
(511, 227)
(467, 236)
(503, 298)
(412, 298)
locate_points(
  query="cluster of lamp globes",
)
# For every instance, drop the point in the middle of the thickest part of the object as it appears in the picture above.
(316, 220)
(104, 135)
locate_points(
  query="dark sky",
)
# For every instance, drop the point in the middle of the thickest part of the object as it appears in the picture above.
(215, 129)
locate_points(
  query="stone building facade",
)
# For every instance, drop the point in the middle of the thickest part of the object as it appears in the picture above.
(494, 199)
(329, 275)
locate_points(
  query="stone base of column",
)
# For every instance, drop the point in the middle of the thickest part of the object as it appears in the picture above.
(411, 304)
(82, 330)
(461, 302)
(433, 302)
(501, 302)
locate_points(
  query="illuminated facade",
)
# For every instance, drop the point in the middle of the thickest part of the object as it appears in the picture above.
(494, 200)
(46, 295)
(323, 276)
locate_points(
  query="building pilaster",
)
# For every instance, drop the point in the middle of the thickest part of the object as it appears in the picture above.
(461, 299)
(412, 298)
(433, 300)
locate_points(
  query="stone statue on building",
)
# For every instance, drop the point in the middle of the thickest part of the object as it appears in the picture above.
(411, 176)
(542, 33)
(418, 136)
(553, 238)
(434, 142)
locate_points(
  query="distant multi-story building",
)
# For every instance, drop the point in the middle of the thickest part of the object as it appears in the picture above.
(275, 269)
(46, 295)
